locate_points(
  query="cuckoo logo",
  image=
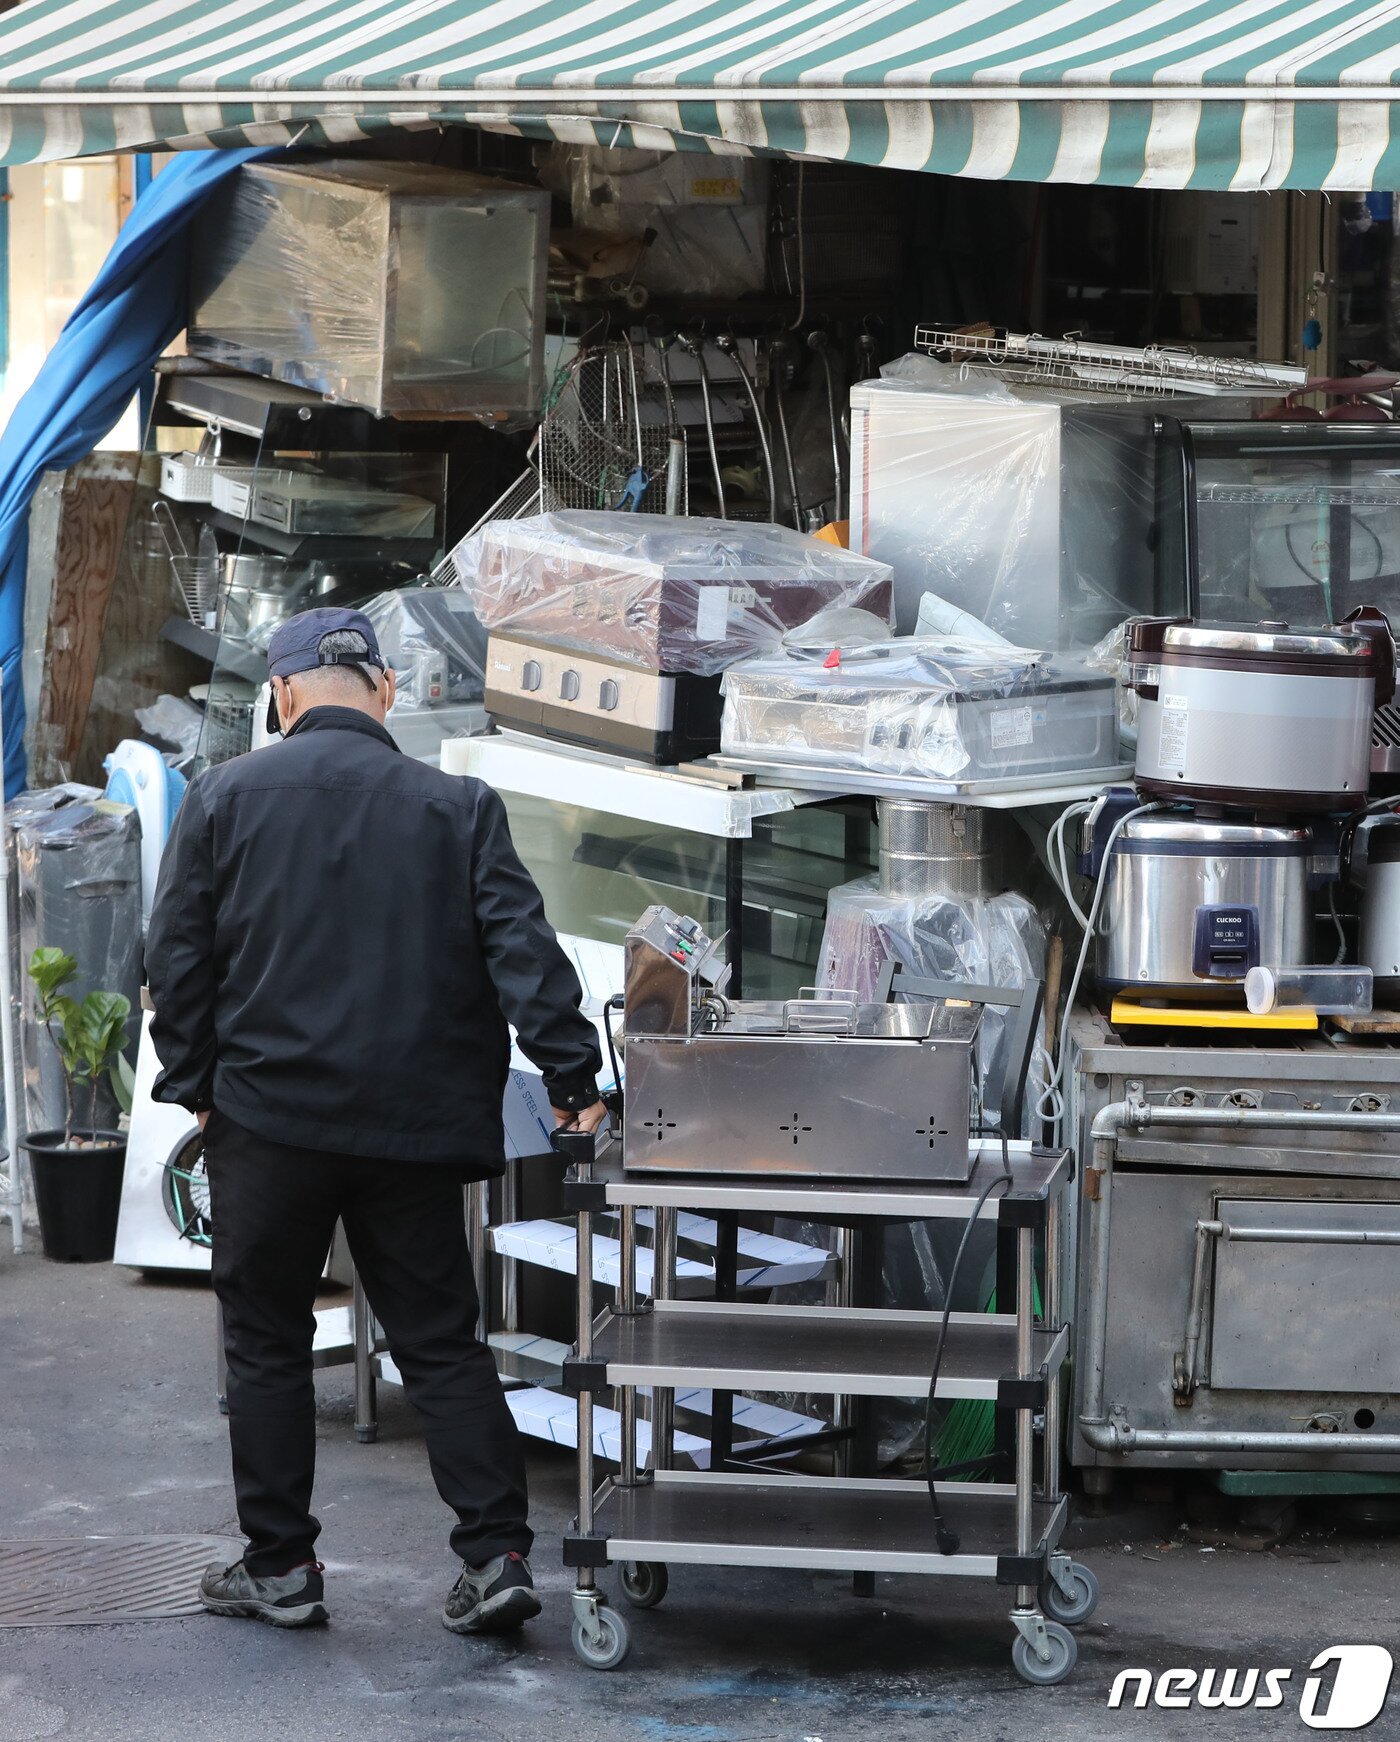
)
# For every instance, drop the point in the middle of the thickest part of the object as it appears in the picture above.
(1345, 1688)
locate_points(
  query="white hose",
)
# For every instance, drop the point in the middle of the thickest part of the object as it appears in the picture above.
(1052, 1095)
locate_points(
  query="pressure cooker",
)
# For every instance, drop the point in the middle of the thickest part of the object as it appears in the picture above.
(1191, 904)
(1259, 716)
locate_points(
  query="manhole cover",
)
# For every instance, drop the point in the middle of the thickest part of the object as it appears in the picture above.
(105, 1578)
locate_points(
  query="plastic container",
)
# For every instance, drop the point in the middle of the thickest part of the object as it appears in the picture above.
(1327, 990)
(78, 1193)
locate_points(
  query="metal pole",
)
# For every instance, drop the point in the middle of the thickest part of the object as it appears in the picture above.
(362, 1340)
(510, 1267)
(7, 1043)
(1025, 1422)
(476, 1213)
(663, 1287)
(843, 1294)
(584, 1311)
(627, 1304)
(734, 913)
(1052, 1316)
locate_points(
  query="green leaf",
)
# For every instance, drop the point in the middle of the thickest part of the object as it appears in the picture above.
(100, 1031)
(124, 1083)
(50, 969)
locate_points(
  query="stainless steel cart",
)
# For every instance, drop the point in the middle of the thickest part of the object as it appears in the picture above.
(647, 1517)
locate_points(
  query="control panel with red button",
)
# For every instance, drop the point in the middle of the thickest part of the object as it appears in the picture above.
(671, 963)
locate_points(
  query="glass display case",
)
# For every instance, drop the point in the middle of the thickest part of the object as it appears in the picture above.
(1298, 522)
(599, 872)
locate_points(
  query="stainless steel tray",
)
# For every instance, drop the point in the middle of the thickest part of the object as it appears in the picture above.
(850, 1352)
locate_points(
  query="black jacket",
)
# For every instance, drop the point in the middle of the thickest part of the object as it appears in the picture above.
(339, 937)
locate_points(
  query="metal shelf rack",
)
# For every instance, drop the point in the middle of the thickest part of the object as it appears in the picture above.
(652, 1514)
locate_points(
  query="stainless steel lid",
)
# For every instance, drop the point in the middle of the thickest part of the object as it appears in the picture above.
(1202, 834)
(1269, 641)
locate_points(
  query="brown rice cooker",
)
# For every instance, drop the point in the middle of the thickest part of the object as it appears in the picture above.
(1259, 715)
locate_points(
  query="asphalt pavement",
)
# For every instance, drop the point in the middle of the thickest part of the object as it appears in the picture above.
(108, 1425)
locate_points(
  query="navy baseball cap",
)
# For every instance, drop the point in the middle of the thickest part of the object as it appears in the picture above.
(296, 646)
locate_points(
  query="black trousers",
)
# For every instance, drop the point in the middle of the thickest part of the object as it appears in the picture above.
(274, 1210)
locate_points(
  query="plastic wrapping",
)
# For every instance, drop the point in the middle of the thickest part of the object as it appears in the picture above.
(400, 287)
(175, 721)
(79, 872)
(1111, 655)
(941, 707)
(708, 215)
(1035, 515)
(433, 642)
(995, 940)
(664, 592)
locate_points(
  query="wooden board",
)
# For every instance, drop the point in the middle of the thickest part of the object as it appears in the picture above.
(1374, 1022)
(78, 528)
(134, 664)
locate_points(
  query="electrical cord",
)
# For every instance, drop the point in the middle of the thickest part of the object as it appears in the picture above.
(947, 1539)
(1054, 1087)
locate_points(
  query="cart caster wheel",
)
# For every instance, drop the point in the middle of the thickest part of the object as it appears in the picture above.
(608, 1649)
(644, 1583)
(223, 1406)
(366, 1435)
(1079, 1607)
(1064, 1652)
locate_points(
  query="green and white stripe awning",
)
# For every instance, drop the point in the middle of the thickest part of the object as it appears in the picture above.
(1236, 94)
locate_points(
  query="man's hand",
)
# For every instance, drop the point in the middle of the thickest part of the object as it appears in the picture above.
(203, 1119)
(588, 1120)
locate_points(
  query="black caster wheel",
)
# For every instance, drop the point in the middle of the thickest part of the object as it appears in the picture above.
(366, 1435)
(223, 1406)
(1079, 1607)
(644, 1583)
(607, 1649)
(1064, 1652)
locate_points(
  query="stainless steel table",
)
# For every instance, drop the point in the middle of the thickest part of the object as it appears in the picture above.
(645, 1518)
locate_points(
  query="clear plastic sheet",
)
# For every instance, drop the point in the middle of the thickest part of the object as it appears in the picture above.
(668, 593)
(997, 940)
(173, 720)
(942, 707)
(708, 215)
(1035, 515)
(434, 642)
(79, 883)
(1109, 655)
(396, 286)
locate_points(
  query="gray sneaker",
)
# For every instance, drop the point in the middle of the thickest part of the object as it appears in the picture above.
(294, 1599)
(495, 1598)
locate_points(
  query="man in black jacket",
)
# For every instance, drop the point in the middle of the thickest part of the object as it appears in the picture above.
(340, 937)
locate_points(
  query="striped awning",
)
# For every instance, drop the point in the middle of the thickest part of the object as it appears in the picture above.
(1240, 94)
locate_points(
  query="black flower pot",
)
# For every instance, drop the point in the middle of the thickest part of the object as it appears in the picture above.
(78, 1189)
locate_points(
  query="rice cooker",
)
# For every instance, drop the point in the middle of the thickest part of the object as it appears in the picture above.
(1191, 904)
(1259, 716)
(1380, 908)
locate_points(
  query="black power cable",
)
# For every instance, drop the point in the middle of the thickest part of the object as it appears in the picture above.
(948, 1540)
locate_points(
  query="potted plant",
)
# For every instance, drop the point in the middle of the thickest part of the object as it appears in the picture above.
(78, 1170)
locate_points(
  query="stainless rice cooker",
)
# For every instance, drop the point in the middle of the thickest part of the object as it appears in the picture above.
(1260, 716)
(1380, 908)
(1190, 905)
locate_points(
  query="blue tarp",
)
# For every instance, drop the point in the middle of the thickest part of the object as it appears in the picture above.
(134, 308)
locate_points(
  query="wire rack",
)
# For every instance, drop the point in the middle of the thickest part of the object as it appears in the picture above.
(1078, 365)
(608, 440)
